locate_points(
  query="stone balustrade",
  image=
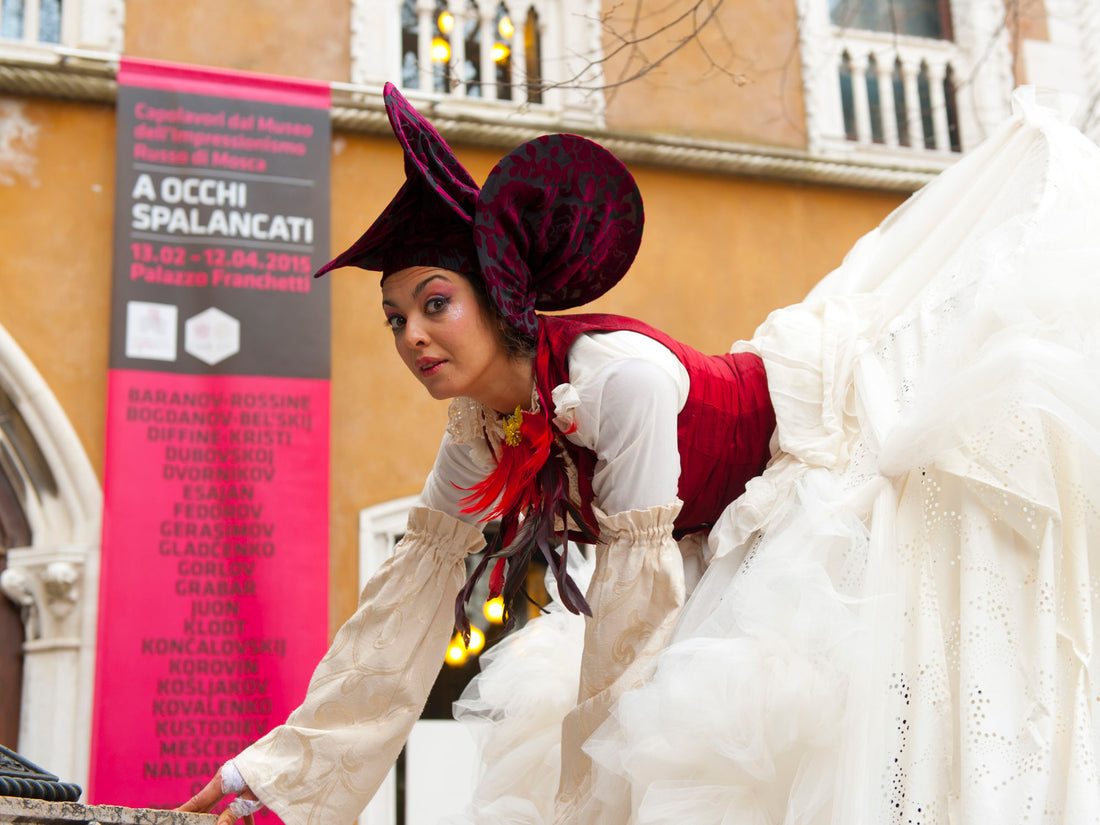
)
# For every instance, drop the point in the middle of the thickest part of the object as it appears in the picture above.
(17, 811)
(898, 91)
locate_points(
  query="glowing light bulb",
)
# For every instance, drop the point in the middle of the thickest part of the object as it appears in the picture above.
(446, 22)
(441, 50)
(477, 641)
(506, 28)
(494, 610)
(456, 652)
(500, 52)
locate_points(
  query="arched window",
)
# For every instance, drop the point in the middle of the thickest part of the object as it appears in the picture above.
(49, 21)
(80, 24)
(920, 18)
(895, 91)
(900, 104)
(874, 101)
(503, 32)
(883, 74)
(15, 531)
(952, 109)
(847, 101)
(924, 92)
(29, 20)
(443, 22)
(50, 515)
(410, 62)
(543, 53)
(532, 42)
(471, 61)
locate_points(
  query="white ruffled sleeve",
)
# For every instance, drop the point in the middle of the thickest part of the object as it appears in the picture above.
(457, 468)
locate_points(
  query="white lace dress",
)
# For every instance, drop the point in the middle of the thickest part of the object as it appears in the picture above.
(900, 621)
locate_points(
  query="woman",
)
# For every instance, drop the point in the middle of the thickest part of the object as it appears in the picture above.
(896, 619)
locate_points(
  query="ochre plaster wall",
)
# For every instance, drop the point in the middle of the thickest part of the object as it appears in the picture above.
(284, 37)
(1025, 20)
(56, 224)
(720, 253)
(386, 429)
(735, 76)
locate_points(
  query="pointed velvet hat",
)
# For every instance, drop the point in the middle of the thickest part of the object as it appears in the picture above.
(556, 225)
(429, 220)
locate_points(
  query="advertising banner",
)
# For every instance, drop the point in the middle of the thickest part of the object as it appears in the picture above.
(213, 603)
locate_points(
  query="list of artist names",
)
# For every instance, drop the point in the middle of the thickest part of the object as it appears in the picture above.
(217, 458)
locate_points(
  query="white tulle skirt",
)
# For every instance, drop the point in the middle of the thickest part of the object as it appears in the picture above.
(900, 621)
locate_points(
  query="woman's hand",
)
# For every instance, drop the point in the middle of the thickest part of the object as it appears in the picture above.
(225, 782)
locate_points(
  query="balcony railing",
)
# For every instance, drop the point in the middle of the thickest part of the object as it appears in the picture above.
(897, 91)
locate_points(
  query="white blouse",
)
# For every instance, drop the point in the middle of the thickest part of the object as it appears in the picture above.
(624, 393)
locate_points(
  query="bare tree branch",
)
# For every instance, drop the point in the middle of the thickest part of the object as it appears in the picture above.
(643, 39)
(635, 40)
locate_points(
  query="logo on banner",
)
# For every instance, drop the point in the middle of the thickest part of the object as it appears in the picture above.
(212, 336)
(151, 330)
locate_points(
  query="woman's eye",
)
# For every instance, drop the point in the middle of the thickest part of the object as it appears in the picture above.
(436, 304)
(395, 322)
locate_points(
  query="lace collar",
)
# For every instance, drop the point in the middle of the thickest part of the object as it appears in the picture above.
(471, 423)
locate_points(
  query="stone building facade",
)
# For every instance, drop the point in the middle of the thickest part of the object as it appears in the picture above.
(766, 138)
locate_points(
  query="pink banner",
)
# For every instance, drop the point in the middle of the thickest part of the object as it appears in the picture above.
(224, 83)
(214, 575)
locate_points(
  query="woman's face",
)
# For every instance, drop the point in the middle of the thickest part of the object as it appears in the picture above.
(444, 334)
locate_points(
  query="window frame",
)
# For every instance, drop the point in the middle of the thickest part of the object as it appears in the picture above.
(570, 46)
(86, 25)
(978, 52)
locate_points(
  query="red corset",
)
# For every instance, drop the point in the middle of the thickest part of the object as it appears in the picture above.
(722, 432)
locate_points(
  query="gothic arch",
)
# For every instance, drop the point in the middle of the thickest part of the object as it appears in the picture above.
(52, 504)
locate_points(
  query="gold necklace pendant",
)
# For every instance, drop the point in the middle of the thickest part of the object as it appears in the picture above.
(512, 424)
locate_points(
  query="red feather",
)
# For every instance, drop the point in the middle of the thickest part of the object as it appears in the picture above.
(512, 485)
(496, 578)
(526, 493)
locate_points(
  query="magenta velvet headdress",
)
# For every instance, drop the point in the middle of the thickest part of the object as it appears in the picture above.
(556, 225)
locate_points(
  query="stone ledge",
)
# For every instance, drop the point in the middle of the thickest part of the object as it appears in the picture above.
(91, 77)
(16, 811)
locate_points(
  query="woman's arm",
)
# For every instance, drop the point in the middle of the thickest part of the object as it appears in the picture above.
(326, 762)
(455, 472)
(628, 414)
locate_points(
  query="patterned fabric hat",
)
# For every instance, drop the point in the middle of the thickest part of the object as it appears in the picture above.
(557, 224)
(429, 220)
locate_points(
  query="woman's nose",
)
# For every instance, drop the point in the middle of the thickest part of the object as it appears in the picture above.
(415, 334)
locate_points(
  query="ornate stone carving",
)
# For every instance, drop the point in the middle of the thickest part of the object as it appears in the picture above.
(16, 585)
(47, 587)
(61, 580)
